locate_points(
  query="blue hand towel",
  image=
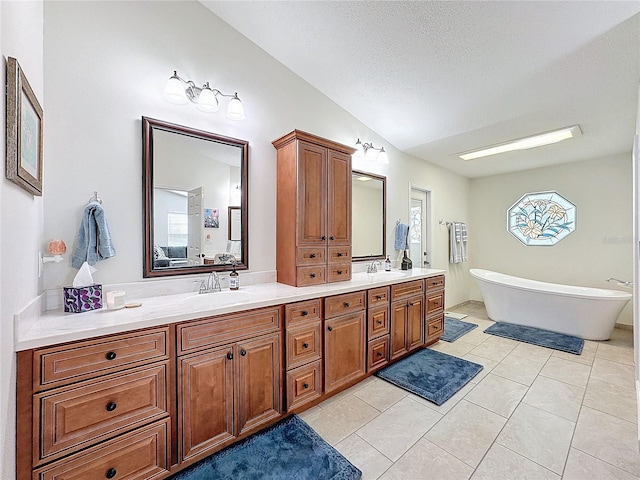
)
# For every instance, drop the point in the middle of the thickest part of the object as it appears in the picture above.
(402, 231)
(94, 240)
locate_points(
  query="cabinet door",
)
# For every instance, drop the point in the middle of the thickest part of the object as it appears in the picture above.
(312, 194)
(339, 199)
(344, 350)
(205, 403)
(258, 381)
(415, 323)
(398, 329)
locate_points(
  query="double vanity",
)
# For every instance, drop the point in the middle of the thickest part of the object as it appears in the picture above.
(142, 393)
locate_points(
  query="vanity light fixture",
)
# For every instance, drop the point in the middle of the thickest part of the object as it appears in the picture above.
(370, 153)
(180, 91)
(533, 141)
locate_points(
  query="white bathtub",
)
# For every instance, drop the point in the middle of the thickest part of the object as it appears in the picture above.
(585, 312)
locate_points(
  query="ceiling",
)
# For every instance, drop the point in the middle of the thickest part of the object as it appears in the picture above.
(439, 78)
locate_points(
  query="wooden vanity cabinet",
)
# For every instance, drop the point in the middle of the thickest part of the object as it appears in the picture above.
(407, 317)
(345, 354)
(313, 217)
(378, 328)
(231, 389)
(434, 315)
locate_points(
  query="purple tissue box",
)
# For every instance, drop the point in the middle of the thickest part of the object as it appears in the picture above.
(82, 299)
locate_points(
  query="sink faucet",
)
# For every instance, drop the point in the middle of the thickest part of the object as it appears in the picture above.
(211, 284)
(373, 266)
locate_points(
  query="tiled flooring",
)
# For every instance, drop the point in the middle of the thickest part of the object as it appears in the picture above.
(531, 413)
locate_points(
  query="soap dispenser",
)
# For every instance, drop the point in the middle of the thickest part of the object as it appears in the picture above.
(387, 264)
(407, 264)
(234, 278)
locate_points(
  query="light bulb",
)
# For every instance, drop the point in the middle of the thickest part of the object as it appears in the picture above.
(235, 110)
(174, 91)
(207, 101)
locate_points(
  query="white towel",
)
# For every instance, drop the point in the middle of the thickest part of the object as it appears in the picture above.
(457, 242)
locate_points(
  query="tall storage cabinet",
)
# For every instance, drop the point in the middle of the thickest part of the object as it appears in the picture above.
(313, 232)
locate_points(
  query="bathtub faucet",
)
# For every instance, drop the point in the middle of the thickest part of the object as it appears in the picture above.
(621, 282)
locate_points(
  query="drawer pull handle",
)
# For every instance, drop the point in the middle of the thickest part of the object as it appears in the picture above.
(332, 237)
(339, 272)
(379, 354)
(110, 356)
(111, 406)
(346, 304)
(112, 472)
(306, 385)
(230, 356)
(330, 329)
(243, 352)
(379, 297)
(379, 322)
(313, 275)
(305, 345)
(340, 254)
(313, 255)
(304, 313)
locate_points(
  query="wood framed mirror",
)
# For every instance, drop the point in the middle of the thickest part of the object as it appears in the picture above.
(369, 200)
(194, 184)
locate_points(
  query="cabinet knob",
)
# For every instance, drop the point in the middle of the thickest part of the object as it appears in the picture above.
(306, 385)
(313, 275)
(110, 355)
(112, 472)
(230, 356)
(305, 345)
(304, 313)
(340, 254)
(324, 237)
(339, 272)
(346, 304)
(332, 237)
(379, 354)
(111, 406)
(243, 352)
(330, 329)
(379, 322)
(313, 255)
(379, 297)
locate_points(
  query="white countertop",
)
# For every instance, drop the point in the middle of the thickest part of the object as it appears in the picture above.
(55, 326)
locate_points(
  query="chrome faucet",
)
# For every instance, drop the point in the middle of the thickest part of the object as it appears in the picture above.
(373, 266)
(211, 284)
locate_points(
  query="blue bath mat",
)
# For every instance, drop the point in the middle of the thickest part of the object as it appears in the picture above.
(537, 336)
(430, 374)
(290, 449)
(454, 329)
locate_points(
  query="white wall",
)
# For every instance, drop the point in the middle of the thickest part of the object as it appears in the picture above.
(99, 88)
(21, 215)
(599, 248)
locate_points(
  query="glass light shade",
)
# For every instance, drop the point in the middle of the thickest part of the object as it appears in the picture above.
(235, 110)
(382, 157)
(207, 101)
(359, 153)
(174, 91)
(371, 155)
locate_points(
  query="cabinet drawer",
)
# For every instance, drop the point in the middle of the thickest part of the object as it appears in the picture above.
(70, 418)
(311, 256)
(378, 296)
(407, 289)
(435, 283)
(311, 275)
(378, 353)
(304, 344)
(339, 255)
(302, 312)
(435, 303)
(339, 272)
(304, 384)
(343, 304)
(220, 330)
(377, 322)
(81, 360)
(139, 455)
(435, 327)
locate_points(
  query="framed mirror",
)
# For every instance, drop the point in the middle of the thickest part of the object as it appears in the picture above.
(369, 200)
(195, 209)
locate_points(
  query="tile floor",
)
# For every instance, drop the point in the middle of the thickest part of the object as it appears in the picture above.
(531, 413)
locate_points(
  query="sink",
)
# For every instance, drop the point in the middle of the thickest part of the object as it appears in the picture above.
(216, 299)
(382, 275)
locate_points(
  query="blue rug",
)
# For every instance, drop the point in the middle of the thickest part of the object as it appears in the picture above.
(430, 374)
(537, 336)
(454, 329)
(288, 450)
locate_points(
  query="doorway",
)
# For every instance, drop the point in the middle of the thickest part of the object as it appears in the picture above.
(420, 227)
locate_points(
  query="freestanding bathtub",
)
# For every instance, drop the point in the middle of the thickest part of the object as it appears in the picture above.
(585, 312)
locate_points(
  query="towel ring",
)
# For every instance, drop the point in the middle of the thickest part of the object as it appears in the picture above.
(95, 198)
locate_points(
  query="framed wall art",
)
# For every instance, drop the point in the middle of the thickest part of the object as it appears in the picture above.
(24, 131)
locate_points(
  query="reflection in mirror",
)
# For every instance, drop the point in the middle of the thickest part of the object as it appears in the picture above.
(369, 217)
(195, 200)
